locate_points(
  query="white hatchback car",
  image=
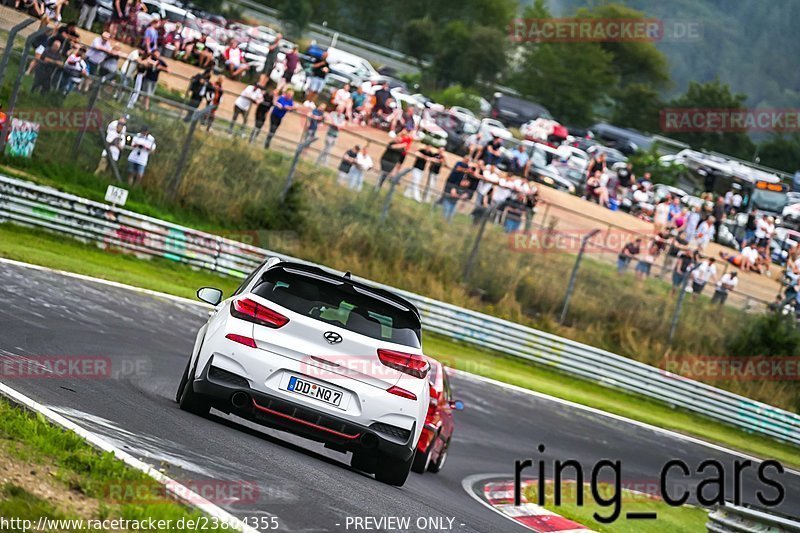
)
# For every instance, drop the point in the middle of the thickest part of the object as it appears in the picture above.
(320, 355)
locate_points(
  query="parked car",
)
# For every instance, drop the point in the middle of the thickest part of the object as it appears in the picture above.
(437, 432)
(491, 127)
(458, 128)
(515, 111)
(626, 140)
(613, 156)
(317, 354)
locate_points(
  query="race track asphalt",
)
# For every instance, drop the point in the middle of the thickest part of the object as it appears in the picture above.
(307, 487)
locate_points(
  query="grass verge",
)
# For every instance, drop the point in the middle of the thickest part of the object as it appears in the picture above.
(52, 473)
(675, 519)
(46, 249)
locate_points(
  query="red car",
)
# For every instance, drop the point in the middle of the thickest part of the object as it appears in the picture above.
(438, 430)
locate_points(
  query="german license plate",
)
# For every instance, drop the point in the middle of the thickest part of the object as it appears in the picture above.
(313, 390)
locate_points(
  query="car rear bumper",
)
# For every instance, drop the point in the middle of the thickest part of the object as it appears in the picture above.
(231, 393)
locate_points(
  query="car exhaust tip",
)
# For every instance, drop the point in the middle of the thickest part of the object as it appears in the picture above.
(369, 440)
(240, 399)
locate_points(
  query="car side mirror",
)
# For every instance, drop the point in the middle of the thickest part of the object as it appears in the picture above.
(458, 405)
(210, 295)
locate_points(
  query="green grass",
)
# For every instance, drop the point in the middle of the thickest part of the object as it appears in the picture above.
(674, 519)
(46, 249)
(72, 465)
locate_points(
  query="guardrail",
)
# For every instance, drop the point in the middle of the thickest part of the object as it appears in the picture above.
(734, 519)
(27, 203)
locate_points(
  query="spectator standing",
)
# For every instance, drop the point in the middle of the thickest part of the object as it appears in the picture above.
(683, 265)
(100, 49)
(272, 55)
(115, 139)
(435, 167)
(127, 73)
(725, 285)
(143, 145)
(213, 100)
(119, 16)
(335, 120)
(361, 167)
(719, 215)
(394, 155)
(282, 105)
(702, 274)
(154, 66)
(150, 43)
(514, 210)
(289, 67)
(628, 252)
(692, 221)
(661, 215)
(316, 116)
(453, 193)
(198, 86)
(46, 66)
(88, 13)
(262, 110)
(319, 70)
(765, 228)
(705, 233)
(414, 189)
(252, 94)
(74, 70)
(646, 261)
(347, 163)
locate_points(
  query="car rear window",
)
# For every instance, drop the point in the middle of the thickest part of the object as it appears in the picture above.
(342, 304)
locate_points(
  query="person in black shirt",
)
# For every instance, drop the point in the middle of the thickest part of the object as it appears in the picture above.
(514, 209)
(686, 260)
(198, 86)
(46, 65)
(628, 252)
(88, 12)
(435, 167)
(382, 97)
(625, 176)
(347, 162)
(319, 70)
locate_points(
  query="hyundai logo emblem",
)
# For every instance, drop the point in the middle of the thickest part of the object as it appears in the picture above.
(332, 337)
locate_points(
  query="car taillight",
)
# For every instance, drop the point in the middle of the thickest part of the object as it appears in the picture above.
(397, 391)
(241, 339)
(407, 363)
(251, 311)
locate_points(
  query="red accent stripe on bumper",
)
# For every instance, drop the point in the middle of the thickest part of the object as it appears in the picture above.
(305, 422)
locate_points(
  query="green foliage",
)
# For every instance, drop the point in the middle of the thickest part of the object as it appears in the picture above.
(637, 106)
(459, 96)
(467, 54)
(773, 334)
(781, 152)
(648, 161)
(714, 95)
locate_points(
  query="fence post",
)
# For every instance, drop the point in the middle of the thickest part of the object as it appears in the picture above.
(12, 34)
(187, 144)
(473, 253)
(574, 275)
(392, 185)
(89, 108)
(12, 101)
(290, 176)
(676, 314)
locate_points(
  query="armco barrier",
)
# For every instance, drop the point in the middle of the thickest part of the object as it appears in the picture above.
(734, 519)
(26, 203)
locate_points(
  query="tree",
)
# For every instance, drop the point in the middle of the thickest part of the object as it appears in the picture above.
(569, 79)
(419, 38)
(297, 14)
(637, 106)
(468, 55)
(713, 95)
(781, 152)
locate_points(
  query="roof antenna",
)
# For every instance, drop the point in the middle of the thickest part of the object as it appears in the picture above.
(347, 274)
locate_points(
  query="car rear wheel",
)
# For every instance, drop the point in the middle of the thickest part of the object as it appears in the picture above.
(191, 401)
(392, 471)
(421, 460)
(439, 463)
(184, 378)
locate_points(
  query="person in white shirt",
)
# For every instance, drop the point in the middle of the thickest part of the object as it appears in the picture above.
(127, 73)
(115, 139)
(725, 285)
(235, 60)
(252, 94)
(765, 227)
(341, 99)
(736, 201)
(362, 165)
(142, 145)
(490, 178)
(661, 215)
(704, 234)
(702, 274)
(74, 70)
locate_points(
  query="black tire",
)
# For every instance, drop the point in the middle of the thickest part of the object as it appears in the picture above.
(192, 402)
(439, 463)
(184, 379)
(393, 471)
(421, 460)
(363, 462)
